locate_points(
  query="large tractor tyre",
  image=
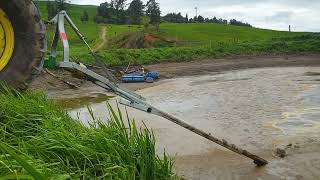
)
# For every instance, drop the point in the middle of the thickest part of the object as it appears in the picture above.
(22, 42)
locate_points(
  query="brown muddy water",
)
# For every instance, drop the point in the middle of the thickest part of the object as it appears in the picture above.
(258, 109)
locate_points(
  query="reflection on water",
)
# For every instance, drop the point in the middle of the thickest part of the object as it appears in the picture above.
(82, 101)
(305, 120)
(312, 97)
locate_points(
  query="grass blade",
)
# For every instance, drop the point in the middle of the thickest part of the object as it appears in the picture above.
(37, 175)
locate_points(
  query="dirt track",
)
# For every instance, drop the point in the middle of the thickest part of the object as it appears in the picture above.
(103, 37)
(59, 90)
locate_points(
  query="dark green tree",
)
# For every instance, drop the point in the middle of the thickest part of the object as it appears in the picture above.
(200, 19)
(102, 9)
(105, 14)
(62, 5)
(175, 18)
(239, 23)
(186, 18)
(153, 12)
(118, 6)
(195, 19)
(135, 12)
(215, 20)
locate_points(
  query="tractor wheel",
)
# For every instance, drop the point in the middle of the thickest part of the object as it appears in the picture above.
(22, 42)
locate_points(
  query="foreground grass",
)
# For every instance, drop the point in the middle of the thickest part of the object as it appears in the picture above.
(38, 140)
(309, 43)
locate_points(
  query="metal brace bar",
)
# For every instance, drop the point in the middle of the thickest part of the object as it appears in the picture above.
(60, 32)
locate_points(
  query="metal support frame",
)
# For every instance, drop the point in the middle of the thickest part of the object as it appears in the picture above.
(60, 32)
(131, 99)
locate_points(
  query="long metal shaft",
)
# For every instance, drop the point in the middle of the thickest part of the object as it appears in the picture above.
(256, 159)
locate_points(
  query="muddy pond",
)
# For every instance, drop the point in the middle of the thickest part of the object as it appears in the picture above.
(260, 110)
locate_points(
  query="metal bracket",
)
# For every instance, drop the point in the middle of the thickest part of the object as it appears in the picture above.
(141, 107)
(60, 32)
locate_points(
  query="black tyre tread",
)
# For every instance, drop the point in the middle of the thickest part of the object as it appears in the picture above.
(30, 43)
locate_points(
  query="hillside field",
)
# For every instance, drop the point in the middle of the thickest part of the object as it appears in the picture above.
(219, 33)
(192, 41)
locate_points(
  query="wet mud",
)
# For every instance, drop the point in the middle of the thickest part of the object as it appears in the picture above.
(260, 110)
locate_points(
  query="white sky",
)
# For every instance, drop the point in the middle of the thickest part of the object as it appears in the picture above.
(302, 15)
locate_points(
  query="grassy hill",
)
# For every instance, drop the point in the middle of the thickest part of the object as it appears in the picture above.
(192, 33)
(219, 33)
(75, 11)
(192, 41)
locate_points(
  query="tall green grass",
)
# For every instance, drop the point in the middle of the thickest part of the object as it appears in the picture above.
(38, 139)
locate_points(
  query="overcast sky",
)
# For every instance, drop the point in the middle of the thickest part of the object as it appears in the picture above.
(302, 15)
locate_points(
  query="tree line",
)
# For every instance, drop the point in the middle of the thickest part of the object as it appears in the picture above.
(139, 13)
(239, 23)
(136, 12)
(178, 18)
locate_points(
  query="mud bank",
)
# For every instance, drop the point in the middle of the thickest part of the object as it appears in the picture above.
(260, 110)
(59, 90)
